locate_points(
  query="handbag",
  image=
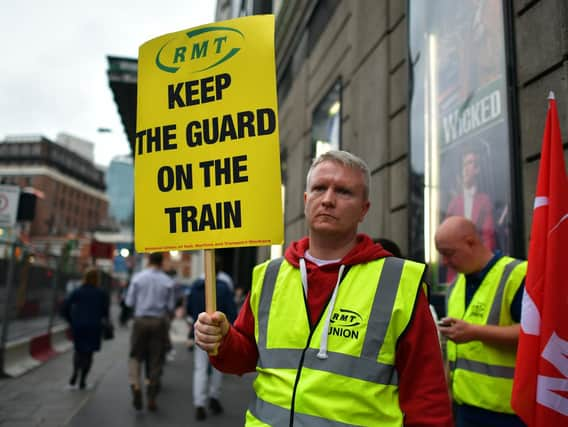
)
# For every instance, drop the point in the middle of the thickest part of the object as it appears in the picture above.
(107, 330)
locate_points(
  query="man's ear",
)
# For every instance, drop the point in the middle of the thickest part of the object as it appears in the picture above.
(470, 241)
(366, 207)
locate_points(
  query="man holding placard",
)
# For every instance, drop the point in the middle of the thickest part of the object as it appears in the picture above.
(338, 331)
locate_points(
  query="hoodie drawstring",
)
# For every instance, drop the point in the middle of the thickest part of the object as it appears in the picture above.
(304, 275)
(322, 353)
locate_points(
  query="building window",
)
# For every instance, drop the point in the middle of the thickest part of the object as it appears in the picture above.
(322, 14)
(326, 122)
(459, 123)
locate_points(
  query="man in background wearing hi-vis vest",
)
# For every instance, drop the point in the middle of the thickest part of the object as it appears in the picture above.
(482, 326)
(338, 331)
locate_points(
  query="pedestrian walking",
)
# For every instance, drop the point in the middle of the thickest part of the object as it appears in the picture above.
(151, 295)
(482, 326)
(207, 380)
(338, 331)
(85, 308)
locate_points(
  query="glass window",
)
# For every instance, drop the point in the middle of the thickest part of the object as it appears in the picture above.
(459, 122)
(326, 122)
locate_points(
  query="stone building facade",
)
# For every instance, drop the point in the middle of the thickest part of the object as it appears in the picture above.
(362, 47)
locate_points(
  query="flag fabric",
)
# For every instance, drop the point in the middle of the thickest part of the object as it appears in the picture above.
(540, 389)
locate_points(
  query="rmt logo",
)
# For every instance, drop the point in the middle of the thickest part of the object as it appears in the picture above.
(200, 49)
(344, 323)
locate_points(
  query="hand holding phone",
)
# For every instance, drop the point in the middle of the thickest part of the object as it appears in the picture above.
(444, 323)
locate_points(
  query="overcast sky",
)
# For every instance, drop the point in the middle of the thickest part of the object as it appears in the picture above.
(53, 67)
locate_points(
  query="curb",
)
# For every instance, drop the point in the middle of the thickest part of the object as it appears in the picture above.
(61, 340)
(26, 354)
(18, 359)
(40, 347)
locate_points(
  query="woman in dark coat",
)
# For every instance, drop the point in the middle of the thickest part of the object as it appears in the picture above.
(85, 309)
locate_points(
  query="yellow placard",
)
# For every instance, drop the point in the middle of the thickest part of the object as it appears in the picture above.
(207, 159)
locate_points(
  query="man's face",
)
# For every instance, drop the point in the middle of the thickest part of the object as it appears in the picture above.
(470, 169)
(335, 201)
(456, 253)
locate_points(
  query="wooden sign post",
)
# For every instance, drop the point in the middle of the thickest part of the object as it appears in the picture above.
(210, 282)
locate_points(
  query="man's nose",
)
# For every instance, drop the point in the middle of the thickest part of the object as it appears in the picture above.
(328, 197)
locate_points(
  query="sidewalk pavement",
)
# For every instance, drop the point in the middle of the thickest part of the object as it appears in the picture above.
(39, 398)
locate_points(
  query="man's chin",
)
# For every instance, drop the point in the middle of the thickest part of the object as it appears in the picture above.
(326, 228)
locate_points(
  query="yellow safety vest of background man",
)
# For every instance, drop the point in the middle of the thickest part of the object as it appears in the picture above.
(482, 325)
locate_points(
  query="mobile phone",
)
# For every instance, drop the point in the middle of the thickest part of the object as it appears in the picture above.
(444, 323)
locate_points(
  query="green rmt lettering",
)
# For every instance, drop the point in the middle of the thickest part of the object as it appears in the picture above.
(198, 50)
(218, 42)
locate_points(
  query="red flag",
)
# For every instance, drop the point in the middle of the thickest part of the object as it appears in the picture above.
(540, 389)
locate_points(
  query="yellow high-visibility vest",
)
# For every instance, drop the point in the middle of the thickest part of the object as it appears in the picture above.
(482, 374)
(356, 383)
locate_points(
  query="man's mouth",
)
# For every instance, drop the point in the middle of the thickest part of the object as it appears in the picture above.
(325, 215)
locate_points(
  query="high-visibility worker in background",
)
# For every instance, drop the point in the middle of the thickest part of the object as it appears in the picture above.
(482, 326)
(338, 331)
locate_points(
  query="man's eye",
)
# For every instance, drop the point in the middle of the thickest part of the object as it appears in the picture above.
(344, 192)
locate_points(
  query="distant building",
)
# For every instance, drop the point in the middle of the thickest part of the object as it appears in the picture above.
(84, 148)
(120, 189)
(72, 188)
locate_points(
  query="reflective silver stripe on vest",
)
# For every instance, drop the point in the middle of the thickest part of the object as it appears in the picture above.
(381, 311)
(365, 367)
(451, 289)
(483, 368)
(268, 285)
(338, 363)
(276, 416)
(495, 313)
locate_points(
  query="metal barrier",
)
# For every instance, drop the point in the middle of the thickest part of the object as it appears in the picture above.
(32, 329)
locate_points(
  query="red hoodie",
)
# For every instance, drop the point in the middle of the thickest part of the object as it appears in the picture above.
(423, 392)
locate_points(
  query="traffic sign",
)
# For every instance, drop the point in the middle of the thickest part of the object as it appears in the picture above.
(9, 198)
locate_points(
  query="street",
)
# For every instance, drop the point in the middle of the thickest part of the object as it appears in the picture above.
(40, 398)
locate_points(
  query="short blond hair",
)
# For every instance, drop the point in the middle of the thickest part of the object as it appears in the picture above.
(344, 158)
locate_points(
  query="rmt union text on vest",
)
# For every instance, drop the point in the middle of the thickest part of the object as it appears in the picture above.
(343, 332)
